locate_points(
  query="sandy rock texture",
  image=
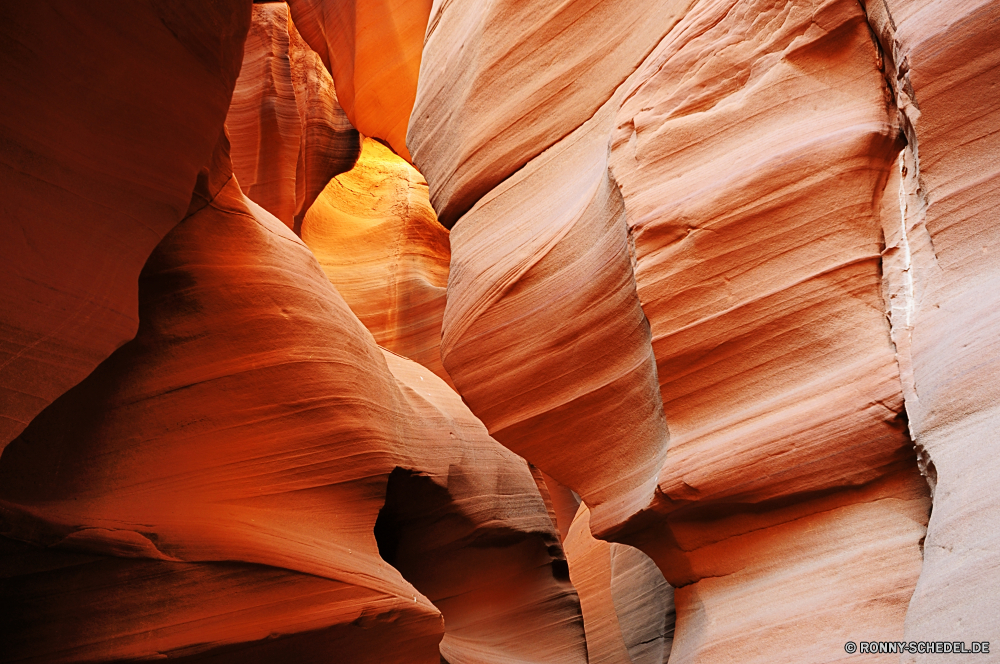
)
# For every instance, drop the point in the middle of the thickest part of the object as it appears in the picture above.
(98, 164)
(628, 607)
(377, 238)
(737, 175)
(943, 64)
(502, 81)
(289, 134)
(501, 332)
(253, 424)
(373, 50)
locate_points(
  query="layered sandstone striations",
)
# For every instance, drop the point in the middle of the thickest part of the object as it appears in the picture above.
(748, 156)
(943, 62)
(502, 81)
(628, 607)
(373, 50)
(241, 447)
(98, 164)
(289, 135)
(376, 237)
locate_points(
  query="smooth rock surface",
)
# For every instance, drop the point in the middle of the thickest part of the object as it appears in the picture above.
(377, 239)
(502, 81)
(106, 119)
(543, 333)
(176, 450)
(628, 608)
(373, 50)
(289, 135)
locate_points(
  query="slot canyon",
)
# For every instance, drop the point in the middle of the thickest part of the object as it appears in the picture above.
(500, 331)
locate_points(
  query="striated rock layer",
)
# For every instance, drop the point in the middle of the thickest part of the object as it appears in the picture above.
(502, 81)
(98, 164)
(289, 135)
(176, 455)
(943, 62)
(628, 608)
(738, 174)
(373, 50)
(377, 239)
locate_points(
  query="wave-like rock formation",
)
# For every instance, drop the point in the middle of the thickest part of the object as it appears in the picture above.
(375, 234)
(520, 76)
(373, 50)
(942, 61)
(106, 119)
(627, 605)
(176, 450)
(750, 152)
(289, 135)
(538, 332)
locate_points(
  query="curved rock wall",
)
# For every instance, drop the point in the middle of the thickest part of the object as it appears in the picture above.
(721, 271)
(289, 134)
(943, 63)
(377, 239)
(98, 164)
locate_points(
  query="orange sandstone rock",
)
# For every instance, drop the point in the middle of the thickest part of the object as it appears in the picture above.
(106, 118)
(627, 605)
(69, 607)
(943, 61)
(176, 450)
(377, 239)
(373, 50)
(466, 525)
(750, 150)
(502, 81)
(543, 333)
(289, 135)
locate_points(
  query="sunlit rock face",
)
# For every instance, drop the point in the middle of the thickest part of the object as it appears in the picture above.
(502, 81)
(524, 332)
(289, 135)
(373, 50)
(376, 237)
(943, 62)
(97, 164)
(177, 450)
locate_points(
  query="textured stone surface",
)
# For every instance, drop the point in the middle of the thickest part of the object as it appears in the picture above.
(176, 449)
(628, 608)
(373, 50)
(377, 239)
(502, 81)
(289, 135)
(795, 583)
(106, 118)
(944, 63)
(543, 333)
(769, 227)
(68, 607)
(751, 150)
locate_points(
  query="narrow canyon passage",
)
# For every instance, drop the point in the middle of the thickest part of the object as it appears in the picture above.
(508, 332)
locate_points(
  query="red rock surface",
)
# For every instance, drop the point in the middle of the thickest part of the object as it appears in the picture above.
(943, 61)
(373, 50)
(106, 118)
(751, 150)
(289, 135)
(765, 227)
(377, 239)
(520, 75)
(543, 333)
(175, 449)
(628, 607)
